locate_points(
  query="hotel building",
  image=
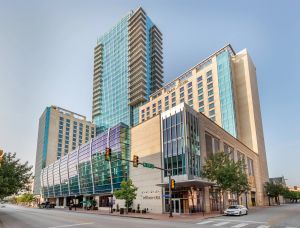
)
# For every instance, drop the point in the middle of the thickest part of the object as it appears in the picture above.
(127, 70)
(224, 88)
(178, 139)
(60, 131)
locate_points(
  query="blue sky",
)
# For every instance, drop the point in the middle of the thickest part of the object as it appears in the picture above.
(46, 57)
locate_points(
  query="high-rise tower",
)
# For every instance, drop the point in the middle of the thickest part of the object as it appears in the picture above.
(127, 69)
(60, 131)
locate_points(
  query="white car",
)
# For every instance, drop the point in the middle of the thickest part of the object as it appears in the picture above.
(236, 210)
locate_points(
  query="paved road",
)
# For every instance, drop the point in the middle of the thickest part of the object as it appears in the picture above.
(17, 217)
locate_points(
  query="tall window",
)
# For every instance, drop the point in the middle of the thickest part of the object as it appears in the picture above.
(212, 144)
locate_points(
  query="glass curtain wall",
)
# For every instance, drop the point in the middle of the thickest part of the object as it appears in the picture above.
(181, 146)
(85, 171)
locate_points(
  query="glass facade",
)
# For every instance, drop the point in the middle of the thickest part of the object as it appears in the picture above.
(226, 93)
(114, 77)
(46, 132)
(181, 146)
(120, 85)
(85, 171)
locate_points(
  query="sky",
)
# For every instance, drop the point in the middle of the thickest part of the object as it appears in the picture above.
(46, 58)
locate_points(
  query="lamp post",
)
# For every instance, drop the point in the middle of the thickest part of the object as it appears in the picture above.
(268, 193)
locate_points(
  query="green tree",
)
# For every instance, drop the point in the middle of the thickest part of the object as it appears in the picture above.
(274, 190)
(228, 175)
(14, 175)
(127, 192)
(240, 184)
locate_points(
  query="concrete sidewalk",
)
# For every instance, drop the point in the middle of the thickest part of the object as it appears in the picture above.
(182, 217)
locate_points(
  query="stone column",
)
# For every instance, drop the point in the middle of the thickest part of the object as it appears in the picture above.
(65, 202)
(206, 200)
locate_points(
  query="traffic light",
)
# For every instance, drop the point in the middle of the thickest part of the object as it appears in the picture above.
(107, 154)
(135, 161)
(172, 184)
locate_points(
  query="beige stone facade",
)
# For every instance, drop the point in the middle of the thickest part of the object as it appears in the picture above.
(200, 88)
(147, 142)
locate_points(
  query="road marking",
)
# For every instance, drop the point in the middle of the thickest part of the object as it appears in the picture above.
(263, 226)
(205, 222)
(78, 224)
(241, 225)
(244, 221)
(221, 224)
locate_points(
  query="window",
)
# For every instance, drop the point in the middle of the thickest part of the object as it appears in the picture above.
(190, 90)
(181, 100)
(143, 110)
(190, 96)
(201, 103)
(213, 118)
(209, 86)
(200, 85)
(166, 103)
(229, 150)
(190, 102)
(181, 89)
(153, 105)
(181, 95)
(190, 84)
(199, 79)
(209, 80)
(173, 94)
(148, 109)
(212, 144)
(166, 98)
(159, 102)
(211, 112)
(173, 105)
(211, 105)
(210, 92)
(208, 73)
(173, 99)
(210, 99)
(159, 107)
(61, 119)
(68, 120)
(250, 167)
(154, 110)
(200, 97)
(200, 91)
(201, 109)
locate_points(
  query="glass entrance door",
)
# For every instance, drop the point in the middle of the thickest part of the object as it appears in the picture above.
(176, 206)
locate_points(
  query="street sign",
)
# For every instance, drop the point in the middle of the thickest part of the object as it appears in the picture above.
(148, 165)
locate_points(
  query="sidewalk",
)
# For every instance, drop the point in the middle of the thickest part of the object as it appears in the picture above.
(182, 217)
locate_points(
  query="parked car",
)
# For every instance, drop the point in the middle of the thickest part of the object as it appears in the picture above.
(236, 210)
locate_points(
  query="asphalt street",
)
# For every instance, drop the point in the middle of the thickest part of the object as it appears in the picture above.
(287, 216)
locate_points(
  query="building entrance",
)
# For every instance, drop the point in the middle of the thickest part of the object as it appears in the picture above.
(177, 206)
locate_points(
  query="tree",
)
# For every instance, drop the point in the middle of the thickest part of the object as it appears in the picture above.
(273, 190)
(127, 192)
(228, 175)
(14, 175)
(241, 184)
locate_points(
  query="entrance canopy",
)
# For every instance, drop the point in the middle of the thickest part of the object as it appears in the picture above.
(190, 183)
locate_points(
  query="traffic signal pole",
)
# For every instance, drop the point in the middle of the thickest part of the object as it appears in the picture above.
(170, 195)
(147, 165)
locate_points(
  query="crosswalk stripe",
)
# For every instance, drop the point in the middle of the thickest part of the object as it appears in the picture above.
(205, 222)
(221, 224)
(263, 226)
(240, 225)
